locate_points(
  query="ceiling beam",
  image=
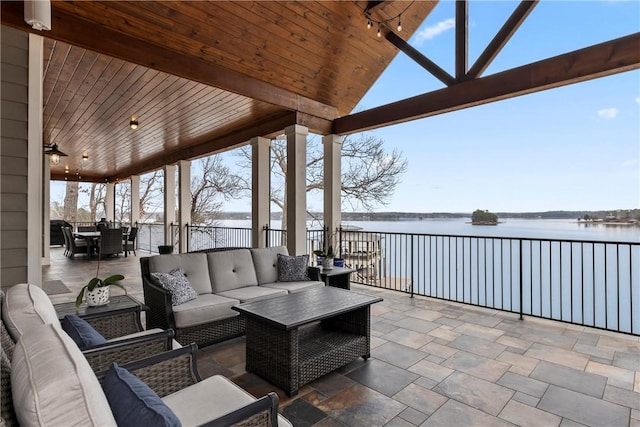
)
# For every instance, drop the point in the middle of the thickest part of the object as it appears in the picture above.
(501, 38)
(614, 56)
(462, 41)
(80, 32)
(420, 59)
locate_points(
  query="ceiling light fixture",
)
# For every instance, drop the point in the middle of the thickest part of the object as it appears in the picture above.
(54, 154)
(133, 123)
(85, 157)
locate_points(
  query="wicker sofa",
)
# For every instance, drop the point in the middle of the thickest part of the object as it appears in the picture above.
(48, 382)
(222, 278)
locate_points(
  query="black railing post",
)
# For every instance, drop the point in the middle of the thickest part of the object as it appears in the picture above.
(412, 258)
(521, 287)
(267, 242)
(339, 248)
(187, 232)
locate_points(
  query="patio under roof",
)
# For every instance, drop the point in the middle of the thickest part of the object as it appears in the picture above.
(203, 77)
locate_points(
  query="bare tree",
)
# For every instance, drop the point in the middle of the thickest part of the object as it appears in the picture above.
(71, 202)
(151, 190)
(97, 204)
(369, 174)
(210, 187)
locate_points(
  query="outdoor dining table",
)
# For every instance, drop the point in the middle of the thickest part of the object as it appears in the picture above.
(92, 238)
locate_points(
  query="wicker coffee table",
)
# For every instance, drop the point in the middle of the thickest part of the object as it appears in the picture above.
(297, 338)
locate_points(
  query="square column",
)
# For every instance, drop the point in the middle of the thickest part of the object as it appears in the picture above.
(35, 159)
(296, 188)
(184, 194)
(332, 185)
(260, 189)
(169, 201)
(135, 200)
(110, 201)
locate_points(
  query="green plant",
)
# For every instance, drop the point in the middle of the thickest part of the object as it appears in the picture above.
(329, 253)
(100, 283)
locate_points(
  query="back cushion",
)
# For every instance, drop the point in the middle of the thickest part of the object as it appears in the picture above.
(265, 261)
(26, 306)
(194, 267)
(231, 269)
(52, 383)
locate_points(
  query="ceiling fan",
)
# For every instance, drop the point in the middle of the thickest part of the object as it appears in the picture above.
(53, 151)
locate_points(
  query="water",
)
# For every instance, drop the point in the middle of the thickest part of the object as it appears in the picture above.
(526, 228)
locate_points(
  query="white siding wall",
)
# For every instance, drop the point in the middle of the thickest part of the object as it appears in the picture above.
(14, 79)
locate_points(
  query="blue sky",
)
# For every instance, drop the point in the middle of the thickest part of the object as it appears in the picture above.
(570, 148)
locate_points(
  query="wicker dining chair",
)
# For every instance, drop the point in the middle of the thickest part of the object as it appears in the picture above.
(110, 241)
(75, 246)
(129, 244)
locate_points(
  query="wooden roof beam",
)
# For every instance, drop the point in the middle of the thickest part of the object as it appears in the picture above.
(611, 57)
(462, 41)
(80, 32)
(501, 38)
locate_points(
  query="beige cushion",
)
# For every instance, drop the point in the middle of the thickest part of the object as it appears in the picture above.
(253, 293)
(26, 306)
(194, 267)
(231, 270)
(52, 383)
(209, 399)
(265, 262)
(294, 286)
(206, 308)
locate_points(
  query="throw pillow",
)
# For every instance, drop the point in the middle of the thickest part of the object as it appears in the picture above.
(292, 268)
(133, 403)
(81, 332)
(178, 286)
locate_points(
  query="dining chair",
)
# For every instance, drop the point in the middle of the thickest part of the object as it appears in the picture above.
(76, 246)
(110, 241)
(129, 244)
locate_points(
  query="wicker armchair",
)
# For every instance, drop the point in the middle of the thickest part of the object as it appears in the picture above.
(177, 371)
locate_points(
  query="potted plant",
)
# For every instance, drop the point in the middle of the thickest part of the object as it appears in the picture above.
(97, 291)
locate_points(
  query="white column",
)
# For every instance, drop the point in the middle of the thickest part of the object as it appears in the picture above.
(184, 180)
(296, 189)
(135, 200)
(260, 189)
(34, 163)
(110, 201)
(332, 186)
(169, 201)
(46, 211)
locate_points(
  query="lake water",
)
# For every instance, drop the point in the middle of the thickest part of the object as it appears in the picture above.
(525, 228)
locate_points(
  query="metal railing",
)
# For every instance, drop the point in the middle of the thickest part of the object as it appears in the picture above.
(585, 282)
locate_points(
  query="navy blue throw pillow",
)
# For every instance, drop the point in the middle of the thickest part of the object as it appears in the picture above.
(81, 332)
(133, 403)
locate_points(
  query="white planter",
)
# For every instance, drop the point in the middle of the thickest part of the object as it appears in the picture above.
(99, 296)
(327, 263)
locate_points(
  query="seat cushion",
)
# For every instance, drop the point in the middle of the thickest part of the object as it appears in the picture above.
(133, 403)
(209, 399)
(231, 269)
(292, 287)
(206, 308)
(265, 262)
(52, 383)
(26, 306)
(81, 332)
(253, 293)
(194, 267)
(178, 286)
(292, 268)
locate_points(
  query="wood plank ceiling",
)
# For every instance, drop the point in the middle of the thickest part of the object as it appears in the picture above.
(201, 76)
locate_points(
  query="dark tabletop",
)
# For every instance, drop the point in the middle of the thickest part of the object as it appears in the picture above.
(336, 271)
(116, 303)
(299, 308)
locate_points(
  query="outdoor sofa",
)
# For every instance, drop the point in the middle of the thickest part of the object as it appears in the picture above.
(48, 382)
(221, 278)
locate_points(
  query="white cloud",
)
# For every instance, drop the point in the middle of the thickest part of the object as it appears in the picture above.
(608, 113)
(638, 100)
(431, 32)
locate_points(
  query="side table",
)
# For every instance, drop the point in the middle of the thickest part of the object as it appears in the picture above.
(121, 316)
(338, 277)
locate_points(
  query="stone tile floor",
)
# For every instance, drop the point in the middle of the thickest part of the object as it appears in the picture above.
(437, 363)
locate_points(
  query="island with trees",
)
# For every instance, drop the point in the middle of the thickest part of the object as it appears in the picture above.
(480, 217)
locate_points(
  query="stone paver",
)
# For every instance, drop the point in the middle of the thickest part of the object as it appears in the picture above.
(569, 378)
(408, 338)
(478, 346)
(475, 392)
(583, 409)
(420, 398)
(523, 384)
(431, 370)
(477, 366)
(439, 350)
(455, 413)
(399, 355)
(485, 332)
(526, 416)
(622, 397)
(558, 355)
(415, 324)
(520, 364)
(617, 377)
